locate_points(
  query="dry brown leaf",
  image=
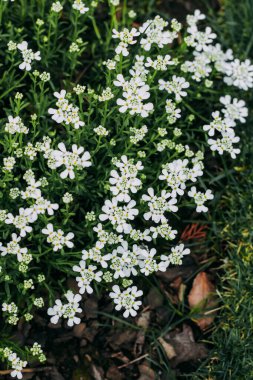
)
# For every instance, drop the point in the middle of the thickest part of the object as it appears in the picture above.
(185, 347)
(181, 292)
(146, 373)
(175, 284)
(168, 348)
(114, 373)
(144, 319)
(78, 330)
(121, 339)
(202, 297)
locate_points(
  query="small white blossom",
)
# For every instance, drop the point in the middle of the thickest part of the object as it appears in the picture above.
(200, 198)
(28, 56)
(126, 300)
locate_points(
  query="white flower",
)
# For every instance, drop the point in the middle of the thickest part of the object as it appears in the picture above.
(126, 181)
(70, 160)
(67, 311)
(176, 86)
(200, 198)
(239, 74)
(9, 163)
(135, 92)
(56, 311)
(124, 260)
(28, 56)
(176, 176)
(225, 144)
(119, 215)
(160, 63)
(15, 125)
(126, 36)
(219, 124)
(234, 109)
(80, 6)
(147, 262)
(13, 248)
(199, 67)
(173, 112)
(159, 205)
(126, 300)
(20, 221)
(16, 364)
(56, 7)
(176, 255)
(200, 40)
(86, 276)
(66, 112)
(196, 17)
(152, 32)
(57, 238)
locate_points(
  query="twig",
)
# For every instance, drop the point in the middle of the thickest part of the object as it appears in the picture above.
(27, 370)
(133, 361)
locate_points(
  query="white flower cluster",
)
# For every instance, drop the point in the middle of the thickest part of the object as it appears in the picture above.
(160, 63)
(178, 172)
(13, 248)
(57, 238)
(200, 198)
(56, 7)
(80, 6)
(176, 255)
(28, 56)
(15, 125)
(67, 310)
(15, 362)
(234, 110)
(152, 32)
(237, 73)
(66, 112)
(135, 93)
(158, 205)
(126, 300)
(86, 276)
(126, 181)
(177, 87)
(11, 310)
(76, 159)
(138, 134)
(126, 38)
(30, 214)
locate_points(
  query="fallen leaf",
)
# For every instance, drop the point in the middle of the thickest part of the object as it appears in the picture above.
(175, 284)
(114, 373)
(139, 343)
(120, 356)
(78, 330)
(181, 292)
(202, 299)
(143, 322)
(168, 348)
(121, 339)
(97, 372)
(144, 319)
(185, 347)
(146, 373)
